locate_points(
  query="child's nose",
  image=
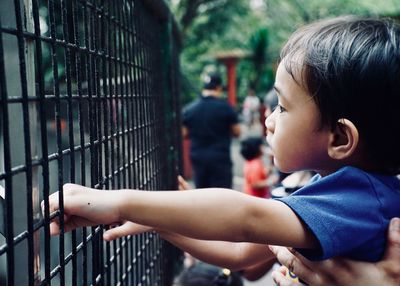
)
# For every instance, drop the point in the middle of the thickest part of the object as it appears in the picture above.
(270, 122)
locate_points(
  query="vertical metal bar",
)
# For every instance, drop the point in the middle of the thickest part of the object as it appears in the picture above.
(107, 112)
(153, 95)
(101, 109)
(105, 25)
(56, 90)
(116, 97)
(43, 132)
(143, 137)
(120, 121)
(152, 142)
(147, 98)
(134, 147)
(127, 134)
(80, 60)
(30, 126)
(139, 145)
(97, 240)
(122, 84)
(68, 65)
(9, 229)
(91, 78)
(146, 128)
(25, 54)
(112, 118)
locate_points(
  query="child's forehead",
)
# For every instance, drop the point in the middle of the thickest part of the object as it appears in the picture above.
(289, 78)
(294, 65)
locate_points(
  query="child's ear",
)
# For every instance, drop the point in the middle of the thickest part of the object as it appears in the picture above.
(344, 140)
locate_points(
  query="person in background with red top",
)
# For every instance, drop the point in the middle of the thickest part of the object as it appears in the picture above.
(256, 174)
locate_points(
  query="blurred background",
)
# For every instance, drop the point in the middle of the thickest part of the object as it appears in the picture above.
(256, 30)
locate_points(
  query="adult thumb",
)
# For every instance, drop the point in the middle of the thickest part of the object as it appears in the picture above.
(392, 252)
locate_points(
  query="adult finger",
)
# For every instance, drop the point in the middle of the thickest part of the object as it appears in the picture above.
(297, 264)
(390, 264)
(393, 243)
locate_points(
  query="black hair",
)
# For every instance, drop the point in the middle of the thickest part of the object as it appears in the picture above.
(204, 274)
(212, 81)
(250, 147)
(351, 68)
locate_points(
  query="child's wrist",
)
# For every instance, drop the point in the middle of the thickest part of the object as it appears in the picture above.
(122, 204)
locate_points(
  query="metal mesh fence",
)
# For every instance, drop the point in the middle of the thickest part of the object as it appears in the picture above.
(88, 94)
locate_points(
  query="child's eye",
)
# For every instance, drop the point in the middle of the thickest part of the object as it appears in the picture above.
(280, 108)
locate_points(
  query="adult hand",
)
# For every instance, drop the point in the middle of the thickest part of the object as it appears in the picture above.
(84, 207)
(127, 228)
(339, 271)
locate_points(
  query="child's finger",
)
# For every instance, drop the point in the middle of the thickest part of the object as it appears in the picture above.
(53, 202)
(116, 232)
(183, 184)
(128, 228)
(2, 192)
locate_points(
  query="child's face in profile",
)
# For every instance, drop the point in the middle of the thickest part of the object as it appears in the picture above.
(293, 129)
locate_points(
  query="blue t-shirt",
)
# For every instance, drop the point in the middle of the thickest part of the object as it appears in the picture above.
(348, 212)
(209, 120)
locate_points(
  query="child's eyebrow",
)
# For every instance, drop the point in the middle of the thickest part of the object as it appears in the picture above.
(277, 90)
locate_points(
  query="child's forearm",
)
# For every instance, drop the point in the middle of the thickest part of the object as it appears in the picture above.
(233, 255)
(202, 214)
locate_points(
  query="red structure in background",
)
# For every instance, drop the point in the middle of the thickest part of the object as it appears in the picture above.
(230, 60)
(187, 164)
(230, 64)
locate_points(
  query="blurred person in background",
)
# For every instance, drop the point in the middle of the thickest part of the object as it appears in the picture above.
(210, 122)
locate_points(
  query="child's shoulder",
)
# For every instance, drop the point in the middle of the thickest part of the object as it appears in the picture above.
(349, 173)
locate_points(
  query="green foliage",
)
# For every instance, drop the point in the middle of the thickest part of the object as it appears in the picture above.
(259, 44)
(209, 26)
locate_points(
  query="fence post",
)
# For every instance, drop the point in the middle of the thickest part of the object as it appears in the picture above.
(170, 115)
(166, 61)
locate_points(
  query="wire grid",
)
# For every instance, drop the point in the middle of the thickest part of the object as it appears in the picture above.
(89, 94)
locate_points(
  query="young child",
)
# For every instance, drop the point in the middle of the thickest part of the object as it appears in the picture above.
(255, 173)
(339, 96)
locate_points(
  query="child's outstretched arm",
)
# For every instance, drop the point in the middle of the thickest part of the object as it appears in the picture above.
(233, 255)
(211, 214)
